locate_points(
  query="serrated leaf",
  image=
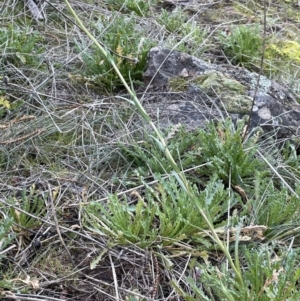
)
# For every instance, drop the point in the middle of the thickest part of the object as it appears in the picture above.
(21, 57)
(97, 259)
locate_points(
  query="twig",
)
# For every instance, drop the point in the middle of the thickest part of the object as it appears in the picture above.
(156, 280)
(115, 277)
(37, 14)
(16, 120)
(259, 73)
(30, 297)
(104, 283)
(277, 174)
(57, 226)
(8, 249)
(30, 135)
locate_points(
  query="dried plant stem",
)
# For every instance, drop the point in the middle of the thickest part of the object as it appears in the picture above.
(260, 71)
(57, 226)
(156, 280)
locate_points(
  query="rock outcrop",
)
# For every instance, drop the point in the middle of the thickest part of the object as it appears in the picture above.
(187, 90)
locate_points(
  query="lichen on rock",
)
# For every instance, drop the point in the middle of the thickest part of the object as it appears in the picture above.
(190, 91)
(216, 84)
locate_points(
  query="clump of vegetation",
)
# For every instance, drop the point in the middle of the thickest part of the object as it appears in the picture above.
(181, 28)
(126, 46)
(174, 22)
(139, 7)
(268, 276)
(219, 148)
(289, 50)
(21, 47)
(29, 202)
(164, 216)
(243, 45)
(6, 235)
(4, 105)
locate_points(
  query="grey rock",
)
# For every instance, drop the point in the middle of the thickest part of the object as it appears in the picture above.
(187, 90)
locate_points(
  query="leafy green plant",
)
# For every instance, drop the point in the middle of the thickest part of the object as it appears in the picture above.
(273, 206)
(165, 215)
(6, 237)
(269, 275)
(6, 234)
(6, 106)
(290, 166)
(127, 47)
(139, 7)
(122, 222)
(30, 202)
(219, 147)
(243, 45)
(173, 22)
(20, 47)
(179, 26)
(179, 218)
(147, 157)
(231, 158)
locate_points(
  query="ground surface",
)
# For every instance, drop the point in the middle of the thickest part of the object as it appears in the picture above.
(70, 137)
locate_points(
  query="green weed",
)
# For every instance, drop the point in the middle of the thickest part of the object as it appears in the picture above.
(291, 162)
(269, 275)
(179, 27)
(273, 206)
(243, 46)
(121, 222)
(30, 202)
(6, 234)
(231, 158)
(127, 47)
(21, 46)
(139, 7)
(165, 215)
(219, 148)
(173, 22)
(6, 237)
